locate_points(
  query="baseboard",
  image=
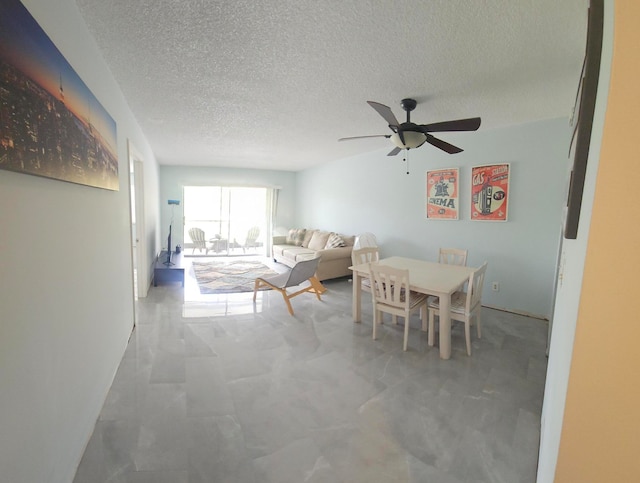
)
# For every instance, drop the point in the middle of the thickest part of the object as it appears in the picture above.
(517, 312)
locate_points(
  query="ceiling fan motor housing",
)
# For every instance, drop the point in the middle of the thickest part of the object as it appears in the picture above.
(411, 132)
(412, 139)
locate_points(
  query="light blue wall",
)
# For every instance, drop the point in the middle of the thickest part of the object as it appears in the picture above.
(174, 178)
(372, 192)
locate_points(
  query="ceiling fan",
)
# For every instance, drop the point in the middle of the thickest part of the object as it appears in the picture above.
(408, 135)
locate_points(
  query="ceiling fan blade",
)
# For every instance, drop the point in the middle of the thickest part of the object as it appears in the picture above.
(394, 151)
(385, 112)
(470, 124)
(362, 137)
(439, 143)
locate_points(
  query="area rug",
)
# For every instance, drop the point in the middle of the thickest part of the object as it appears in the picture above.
(229, 276)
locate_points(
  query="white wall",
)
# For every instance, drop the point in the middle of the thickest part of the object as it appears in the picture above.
(66, 292)
(174, 178)
(373, 193)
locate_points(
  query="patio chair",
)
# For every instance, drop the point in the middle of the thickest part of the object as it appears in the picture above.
(301, 272)
(199, 242)
(251, 239)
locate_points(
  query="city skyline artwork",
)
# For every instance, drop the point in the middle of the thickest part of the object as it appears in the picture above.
(51, 124)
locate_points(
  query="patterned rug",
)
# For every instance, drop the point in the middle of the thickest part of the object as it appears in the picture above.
(223, 276)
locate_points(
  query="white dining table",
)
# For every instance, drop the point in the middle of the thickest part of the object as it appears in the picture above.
(438, 279)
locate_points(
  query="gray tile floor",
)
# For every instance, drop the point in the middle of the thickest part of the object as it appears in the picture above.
(220, 390)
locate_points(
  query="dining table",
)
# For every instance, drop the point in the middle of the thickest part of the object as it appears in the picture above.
(432, 278)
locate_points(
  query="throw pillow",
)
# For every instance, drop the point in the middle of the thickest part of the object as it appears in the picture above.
(334, 241)
(319, 240)
(307, 238)
(295, 236)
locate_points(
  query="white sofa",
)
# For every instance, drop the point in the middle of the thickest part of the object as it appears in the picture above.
(303, 244)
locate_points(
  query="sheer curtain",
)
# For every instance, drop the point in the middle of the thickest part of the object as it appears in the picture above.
(272, 210)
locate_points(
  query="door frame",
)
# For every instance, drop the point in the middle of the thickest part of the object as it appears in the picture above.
(139, 273)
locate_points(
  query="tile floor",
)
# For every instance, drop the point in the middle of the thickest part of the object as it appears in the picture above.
(217, 389)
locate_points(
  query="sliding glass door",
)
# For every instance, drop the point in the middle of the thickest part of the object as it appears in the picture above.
(234, 220)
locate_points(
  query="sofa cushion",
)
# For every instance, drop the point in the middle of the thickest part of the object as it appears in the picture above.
(319, 240)
(334, 241)
(292, 253)
(335, 254)
(296, 236)
(307, 237)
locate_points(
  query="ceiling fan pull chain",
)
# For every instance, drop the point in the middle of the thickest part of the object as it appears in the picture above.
(406, 158)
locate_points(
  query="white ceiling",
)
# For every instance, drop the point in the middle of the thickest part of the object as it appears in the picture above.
(273, 84)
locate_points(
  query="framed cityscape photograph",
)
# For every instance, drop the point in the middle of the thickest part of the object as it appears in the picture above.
(490, 192)
(442, 194)
(51, 124)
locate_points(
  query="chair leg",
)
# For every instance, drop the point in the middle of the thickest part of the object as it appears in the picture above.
(256, 286)
(286, 299)
(376, 314)
(407, 323)
(432, 326)
(318, 288)
(478, 322)
(467, 334)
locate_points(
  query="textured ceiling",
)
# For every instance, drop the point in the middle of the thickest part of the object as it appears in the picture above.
(274, 84)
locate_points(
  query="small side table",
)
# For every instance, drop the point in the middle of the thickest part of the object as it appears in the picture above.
(219, 244)
(164, 272)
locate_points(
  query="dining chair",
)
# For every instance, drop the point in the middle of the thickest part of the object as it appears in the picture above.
(464, 306)
(369, 254)
(363, 255)
(390, 293)
(453, 256)
(301, 272)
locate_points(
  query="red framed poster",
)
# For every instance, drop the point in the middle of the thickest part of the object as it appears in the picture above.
(442, 194)
(490, 192)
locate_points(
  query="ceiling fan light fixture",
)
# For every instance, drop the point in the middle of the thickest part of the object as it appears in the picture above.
(412, 139)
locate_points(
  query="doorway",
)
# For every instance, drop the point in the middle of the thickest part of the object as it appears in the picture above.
(235, 220)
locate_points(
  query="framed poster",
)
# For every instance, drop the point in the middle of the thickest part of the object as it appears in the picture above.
(490, 192)
(442, 194)
(51, 124)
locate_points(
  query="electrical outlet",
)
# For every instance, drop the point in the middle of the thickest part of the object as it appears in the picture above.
(495, 286)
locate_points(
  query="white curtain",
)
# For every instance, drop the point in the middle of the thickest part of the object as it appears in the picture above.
(272, 210)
